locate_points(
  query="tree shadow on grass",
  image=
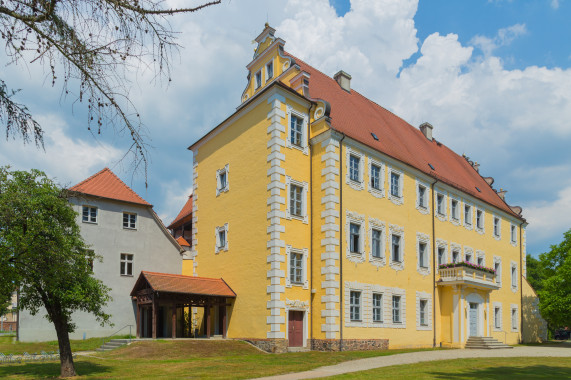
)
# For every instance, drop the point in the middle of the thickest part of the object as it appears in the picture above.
(49, 370)
(495, 373)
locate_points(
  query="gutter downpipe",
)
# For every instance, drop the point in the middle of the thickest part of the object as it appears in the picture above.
(435, 267)
(341, 243)
(521, 282)
(311, 294)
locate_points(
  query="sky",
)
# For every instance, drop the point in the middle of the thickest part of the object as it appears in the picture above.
(492, 76)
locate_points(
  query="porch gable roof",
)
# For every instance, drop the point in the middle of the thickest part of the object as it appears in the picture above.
(176, 283)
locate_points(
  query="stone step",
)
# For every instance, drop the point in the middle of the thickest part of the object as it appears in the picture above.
(484, 342)
(297, 349)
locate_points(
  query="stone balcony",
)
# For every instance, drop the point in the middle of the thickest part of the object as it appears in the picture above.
(467, 276)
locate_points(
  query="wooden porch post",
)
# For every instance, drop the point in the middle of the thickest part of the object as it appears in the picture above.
(138, 334)
(173, 320)
(154, 318)
(223, 316)
(207, 316)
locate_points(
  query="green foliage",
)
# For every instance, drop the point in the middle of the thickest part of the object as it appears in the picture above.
(41, 249)
(554, 275)
(535, 274)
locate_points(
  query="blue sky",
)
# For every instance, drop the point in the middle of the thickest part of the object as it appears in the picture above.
(493, 77)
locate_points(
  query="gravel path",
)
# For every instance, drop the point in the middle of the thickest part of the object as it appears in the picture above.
(423, 356)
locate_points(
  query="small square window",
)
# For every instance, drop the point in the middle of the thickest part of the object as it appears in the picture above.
(377, 307)
(395, 184)
(375, 177)
(296, 200)
(354, 238)
(258, 79)
(354, 163)
(269, 70)
(89, 214)
(296, 131)
(126, 264)
(422, 196)
(396, 309)
(355, 306)
(129, 220)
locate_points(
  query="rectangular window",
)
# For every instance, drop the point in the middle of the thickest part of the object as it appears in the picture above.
(496, 226)
(455, 255)
(126, 264)
(295, 200)
(498, 274)
(440, 204)
(480, 261)
(441, 253)
(454, 209)
(514, 319)
(468, 258)
(514, 276)
(396, 309)
(396, 248)
(355, 306)
(468, 215)
(513, 234)
(354, 238)
(89, 214)
(377, 307)
(259, 79)
(421, 196)
(479, 219)
(376, 243)
(422, 255)
(422, 312)
(497, 318)
(296, 267)
(269, 70)
(395, 185)
(221, 238)
(223, 180)
(354, 168)
(129, 220)
(296, 131)
(375, 177)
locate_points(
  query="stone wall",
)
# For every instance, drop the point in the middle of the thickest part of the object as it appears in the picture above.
(349, 344)
(274, 346)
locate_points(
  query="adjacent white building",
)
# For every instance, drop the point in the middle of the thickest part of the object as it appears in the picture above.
(124, 230)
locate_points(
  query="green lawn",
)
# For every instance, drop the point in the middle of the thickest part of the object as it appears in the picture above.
(9, 346)
(464, 369)
(183, 359)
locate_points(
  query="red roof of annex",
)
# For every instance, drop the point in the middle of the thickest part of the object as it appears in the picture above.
(106, 184)
(177, 283)
(186, 211)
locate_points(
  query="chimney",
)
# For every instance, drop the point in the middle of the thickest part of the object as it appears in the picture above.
(502, 194)
(344, 80)
(426, 129)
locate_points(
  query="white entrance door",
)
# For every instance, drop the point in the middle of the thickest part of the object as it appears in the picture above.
(473, 319)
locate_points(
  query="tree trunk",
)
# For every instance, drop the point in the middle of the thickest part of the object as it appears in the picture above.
(65, 355)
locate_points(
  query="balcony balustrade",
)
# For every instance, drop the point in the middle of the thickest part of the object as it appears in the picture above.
(467, 276)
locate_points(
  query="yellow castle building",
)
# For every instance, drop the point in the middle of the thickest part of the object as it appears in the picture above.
(340, 226)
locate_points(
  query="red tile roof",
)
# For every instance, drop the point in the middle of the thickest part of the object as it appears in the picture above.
(357, 117)
(186, 211)
(182, 241)
(106, 184)
(176, 283)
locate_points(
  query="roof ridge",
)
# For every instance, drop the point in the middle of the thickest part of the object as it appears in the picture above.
(89, 178)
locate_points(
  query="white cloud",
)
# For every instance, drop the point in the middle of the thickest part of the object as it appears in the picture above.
(504, 37)
(66, 159)
(550, 219)
(174, 196)
(555, 4)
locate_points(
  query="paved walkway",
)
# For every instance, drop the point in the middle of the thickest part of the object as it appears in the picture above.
(424, 356)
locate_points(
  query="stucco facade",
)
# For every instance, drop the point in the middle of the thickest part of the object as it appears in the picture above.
(319, 231)
(149, 246)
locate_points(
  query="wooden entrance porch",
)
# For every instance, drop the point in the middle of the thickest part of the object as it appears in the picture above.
(166, 304)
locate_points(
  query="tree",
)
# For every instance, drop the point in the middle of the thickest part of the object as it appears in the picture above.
(89, 46)
(535, 273)
(43, 254)
(555, 295)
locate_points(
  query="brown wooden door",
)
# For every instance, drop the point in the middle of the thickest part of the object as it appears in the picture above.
(295, 328)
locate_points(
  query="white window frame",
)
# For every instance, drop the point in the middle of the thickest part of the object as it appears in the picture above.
(468, 251)
(427, 298)
(355, 218)
(442, 244)
(497, 323)
(355, 185)
(497, 233)
(304, 147)
(129, 227)
(128, 259)
(89, 216)
(375, 224)
(304, 252)
(455, 216)
(358, 306)
(394, 297)
(218, 247)
(219, 172)
(395, 230)
(380, 192)
(468, 222)
(514, 317)
(514, 276)
(513, 234)
(399, 198)
(498, 260)
(304, 217)
(258, 84)
(422, 205)
(376, 307)
(454, 247)
(480, 228)
(267, 65)
(423, 268)
(441, 214)
(481, 255)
